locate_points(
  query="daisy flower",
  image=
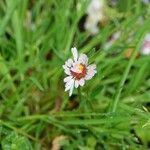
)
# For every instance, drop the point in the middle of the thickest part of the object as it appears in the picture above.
(77, 70)
(96, 14)
(146, 1)
(145, 50)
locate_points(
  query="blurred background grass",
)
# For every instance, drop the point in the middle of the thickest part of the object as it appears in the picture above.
(35, 113)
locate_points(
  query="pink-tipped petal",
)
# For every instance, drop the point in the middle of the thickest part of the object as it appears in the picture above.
(67, 79)
(66, 70)
(145, 51)
(75, 68)
(91, 71)
(93, 66)
(88, 77)
(81, 82)
(69, 62)
(76, 83)
(83, 59)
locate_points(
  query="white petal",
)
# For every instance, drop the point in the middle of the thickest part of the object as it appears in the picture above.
(88, 77)
(75, 53)
(67, 70)
(69, 62)
(68, 85)
(95, 71)
(90, 72)
(83, 59)
(81, 82)
(147, 37)
(65, 67)
(75, 69)
(67, 79)
(71, 88)
(93, 66)
(145, 51)
(76, 83)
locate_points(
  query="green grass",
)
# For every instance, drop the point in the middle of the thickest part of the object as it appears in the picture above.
(112, 112)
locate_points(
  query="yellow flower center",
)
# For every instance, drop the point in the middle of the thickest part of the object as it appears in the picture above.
(80, 73)
(81, 67)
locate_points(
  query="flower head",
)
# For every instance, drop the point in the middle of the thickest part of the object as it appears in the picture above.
(77, 70)
(146, 45)
(96, 14)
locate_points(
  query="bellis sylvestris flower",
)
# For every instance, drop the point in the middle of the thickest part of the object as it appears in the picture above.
(145, 50)
(95, 12)
(77, 70)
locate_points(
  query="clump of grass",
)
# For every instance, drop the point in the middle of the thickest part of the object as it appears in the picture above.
(35, 40)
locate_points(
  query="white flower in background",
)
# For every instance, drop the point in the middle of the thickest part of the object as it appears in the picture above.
(146, 1)
(77, 70)
(145, 50)
(113, 39)
(95, 12)
(114, 2)
(28, 23)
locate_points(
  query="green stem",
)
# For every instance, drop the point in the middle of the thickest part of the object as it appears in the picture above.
(124, 77)
(79, 93)
(5, 73)
(121, 84)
